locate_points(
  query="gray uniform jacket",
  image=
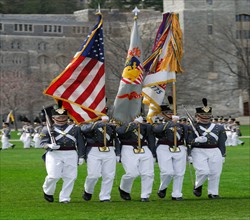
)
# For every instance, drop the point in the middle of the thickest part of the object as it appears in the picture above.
(6, 132)
(94, 135)
(216, 136)
(67, 136)
(164, 132)
(128, 135)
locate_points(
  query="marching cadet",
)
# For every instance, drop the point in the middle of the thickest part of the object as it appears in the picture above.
(229, 133)
(5, 133)
(208, 152)
(65, 149)
(37, 130)
(171, 157)
(137, 152)
(102, 148)
(27, 132)
(236, 135)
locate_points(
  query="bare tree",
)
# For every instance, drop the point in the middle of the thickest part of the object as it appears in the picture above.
(19, 93)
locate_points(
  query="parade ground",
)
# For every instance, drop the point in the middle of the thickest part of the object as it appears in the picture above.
(22, 173)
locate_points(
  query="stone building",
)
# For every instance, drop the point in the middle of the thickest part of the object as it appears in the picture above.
(211, 29)
(43, 45)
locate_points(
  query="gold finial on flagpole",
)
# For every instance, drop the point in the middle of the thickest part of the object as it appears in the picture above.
(136, 11)
(99, 8)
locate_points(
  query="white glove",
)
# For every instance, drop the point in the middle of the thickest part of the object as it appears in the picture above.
(223, 159)
(175, 117)
(118, 158)
(190, 159)
(200, 139)
(80, 161)
(53, 146)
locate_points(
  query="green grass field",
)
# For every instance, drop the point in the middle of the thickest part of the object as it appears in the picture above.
(22, 175)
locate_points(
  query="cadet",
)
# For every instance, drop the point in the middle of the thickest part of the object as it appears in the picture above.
(27, 132)
(6, 137)
(37, 130)
(102, 148)
(208, 152)
(171, 158)
(137, 152)
(65, 149)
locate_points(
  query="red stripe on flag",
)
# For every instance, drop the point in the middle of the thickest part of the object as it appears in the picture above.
(91, 86)
(98, 99)
(64, 77)
(84, 73)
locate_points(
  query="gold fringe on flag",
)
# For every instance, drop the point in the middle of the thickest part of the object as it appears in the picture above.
(174, 52)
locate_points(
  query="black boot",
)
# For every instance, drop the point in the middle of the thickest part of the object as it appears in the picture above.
(210, 196)
(86, 196)
(198, 191)
(49, 198)
(162, 193)
(124, 195)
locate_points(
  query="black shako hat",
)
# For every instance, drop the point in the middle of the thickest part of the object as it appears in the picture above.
(167, 108)
(58, 110)
(205, 109)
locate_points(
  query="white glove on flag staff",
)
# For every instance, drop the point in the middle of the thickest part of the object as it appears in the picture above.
(200, 139)
(53, 146)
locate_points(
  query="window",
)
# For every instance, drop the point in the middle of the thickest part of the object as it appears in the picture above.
(209, 2)
(42, 46)
(17, 60)
(52, 28)
(242, 34)
(15, 45)
(211, 66)
(242, 17)
(23, 27)
(210, 29)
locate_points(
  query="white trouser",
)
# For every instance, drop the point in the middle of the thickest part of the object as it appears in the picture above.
(229, 138)
(208, 165)
(37, 141)
(61, 164)
(5, 143)
(27, 141)
(135, 165)
(172, 165)
(100, 164)
(236, 140)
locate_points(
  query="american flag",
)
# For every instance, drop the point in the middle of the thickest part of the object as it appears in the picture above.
(81, 86)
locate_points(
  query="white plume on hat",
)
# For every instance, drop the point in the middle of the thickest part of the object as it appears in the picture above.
(139, 119)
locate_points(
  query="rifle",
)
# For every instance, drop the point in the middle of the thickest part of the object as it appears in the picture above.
(49, 127)
(191, 120)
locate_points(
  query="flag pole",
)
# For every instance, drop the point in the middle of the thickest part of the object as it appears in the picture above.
(175, 112)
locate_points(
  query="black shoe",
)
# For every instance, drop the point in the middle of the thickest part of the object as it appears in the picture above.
(49, 198)
(124, 195)
(13, 146)
(210, 196)
(242, 143)
(198, 191)
(177, 198)
(86, 196)
(105, 200)
(162, 193)
(144, 199)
